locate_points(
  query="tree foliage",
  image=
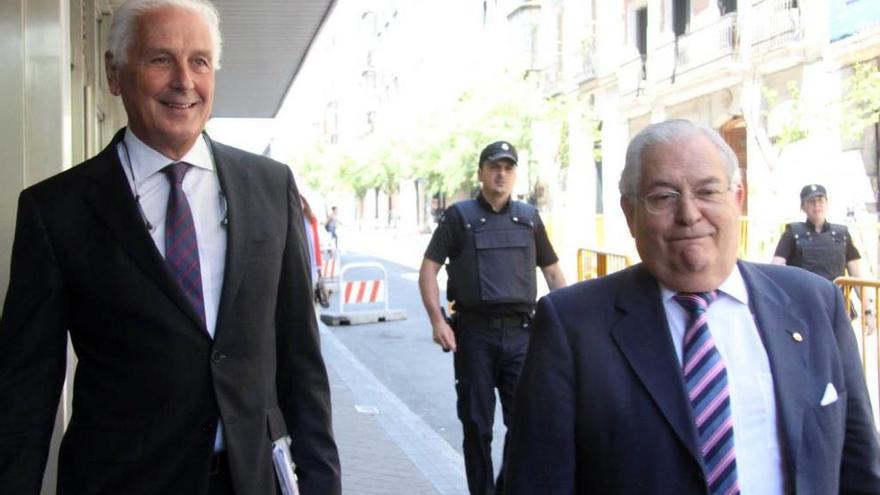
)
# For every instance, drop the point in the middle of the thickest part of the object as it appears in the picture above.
(861, 100)
(793, 127)
(440, 148)
(317, 168)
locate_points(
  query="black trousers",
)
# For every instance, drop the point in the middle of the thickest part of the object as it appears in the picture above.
(490, 355)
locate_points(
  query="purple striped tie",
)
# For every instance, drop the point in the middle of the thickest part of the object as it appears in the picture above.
(706, 381)
(181, 246)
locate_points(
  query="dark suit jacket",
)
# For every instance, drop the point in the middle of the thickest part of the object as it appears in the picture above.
(601, 405)
(150, 383)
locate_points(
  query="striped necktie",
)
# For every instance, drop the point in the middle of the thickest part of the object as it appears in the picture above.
(181, 246)
(706, 380)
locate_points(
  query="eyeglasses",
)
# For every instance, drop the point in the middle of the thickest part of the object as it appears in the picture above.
(662, 202)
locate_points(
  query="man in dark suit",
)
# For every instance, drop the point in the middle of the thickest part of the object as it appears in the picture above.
(178, 267)
(692, 372)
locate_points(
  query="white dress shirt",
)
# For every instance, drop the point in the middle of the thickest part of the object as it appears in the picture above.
(752, 401)
(143, 168)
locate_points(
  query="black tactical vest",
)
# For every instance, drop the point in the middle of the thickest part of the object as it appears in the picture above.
(497, 260)
(823, 254)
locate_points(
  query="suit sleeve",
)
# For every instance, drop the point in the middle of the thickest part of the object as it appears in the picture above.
(860, 462)
(33, 353)
(541, 444)
(303, 387)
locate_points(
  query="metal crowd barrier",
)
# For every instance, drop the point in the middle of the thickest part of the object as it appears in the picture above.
(861, 296)
(592, 263)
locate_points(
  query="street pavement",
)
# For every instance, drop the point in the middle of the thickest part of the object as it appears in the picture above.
(392, 388)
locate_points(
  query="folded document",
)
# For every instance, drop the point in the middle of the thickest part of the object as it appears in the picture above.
(284, 466)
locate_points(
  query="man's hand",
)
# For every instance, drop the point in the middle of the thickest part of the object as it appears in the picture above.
(444, 336)
(430, 292)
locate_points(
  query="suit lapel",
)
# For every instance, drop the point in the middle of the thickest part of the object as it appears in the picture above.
(235, 184)
(644, 339)
(776, 324)
(111, 198)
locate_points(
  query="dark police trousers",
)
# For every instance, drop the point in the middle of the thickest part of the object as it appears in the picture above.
(490, 354)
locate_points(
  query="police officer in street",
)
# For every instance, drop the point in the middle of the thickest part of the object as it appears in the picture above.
(493, 244)
(823, 248)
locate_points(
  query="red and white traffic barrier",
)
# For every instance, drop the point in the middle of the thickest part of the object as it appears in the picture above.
(330, 266)
(369, 290)
(364, 291)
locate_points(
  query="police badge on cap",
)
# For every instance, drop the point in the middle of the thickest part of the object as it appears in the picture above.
(499, 150)
(811, 191)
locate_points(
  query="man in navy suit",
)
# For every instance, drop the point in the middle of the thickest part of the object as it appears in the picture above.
(692, 372)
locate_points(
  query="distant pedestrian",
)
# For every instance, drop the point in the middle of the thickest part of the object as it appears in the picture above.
(332, 224)
(493, 244)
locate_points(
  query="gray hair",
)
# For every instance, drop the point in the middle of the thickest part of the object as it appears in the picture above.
(123, 24)
(667, 132)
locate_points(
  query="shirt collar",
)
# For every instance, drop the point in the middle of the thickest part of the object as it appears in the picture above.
(486, 206)
(812, 228)
(733, 286)
(145, 161)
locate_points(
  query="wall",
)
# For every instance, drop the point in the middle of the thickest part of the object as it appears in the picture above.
(35, 129)
(34, 133)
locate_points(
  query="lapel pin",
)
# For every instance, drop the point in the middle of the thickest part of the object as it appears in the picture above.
(797, 337)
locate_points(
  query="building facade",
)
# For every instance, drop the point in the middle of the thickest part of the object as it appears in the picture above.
(770, 75)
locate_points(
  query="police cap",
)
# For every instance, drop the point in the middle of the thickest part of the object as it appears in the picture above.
(811, 191)
(499, 150)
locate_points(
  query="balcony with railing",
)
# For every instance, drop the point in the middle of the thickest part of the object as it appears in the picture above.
(776, 23)
(698, 48)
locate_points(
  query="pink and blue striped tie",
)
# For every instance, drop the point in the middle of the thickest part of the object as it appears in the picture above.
(181, 246)
(706, 380)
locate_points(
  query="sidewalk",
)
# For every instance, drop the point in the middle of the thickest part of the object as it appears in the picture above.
(385, 448)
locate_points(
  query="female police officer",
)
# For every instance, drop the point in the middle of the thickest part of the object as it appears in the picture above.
(823, 248)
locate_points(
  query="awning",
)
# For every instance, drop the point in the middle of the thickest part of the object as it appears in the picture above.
(264, 44)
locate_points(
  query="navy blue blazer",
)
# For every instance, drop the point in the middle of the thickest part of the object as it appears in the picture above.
(601, 404)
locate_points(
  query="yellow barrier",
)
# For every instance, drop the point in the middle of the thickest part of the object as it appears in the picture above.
(866, 307)
(593, 264)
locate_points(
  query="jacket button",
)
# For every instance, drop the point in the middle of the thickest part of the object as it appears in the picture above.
(207, 426)
(216, 357)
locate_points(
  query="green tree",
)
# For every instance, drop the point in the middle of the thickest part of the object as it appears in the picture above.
(861, 100)
(446, 153)
(317, 168)
(357, 174)
(793, 128)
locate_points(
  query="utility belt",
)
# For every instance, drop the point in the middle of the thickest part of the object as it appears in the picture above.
(492, 322)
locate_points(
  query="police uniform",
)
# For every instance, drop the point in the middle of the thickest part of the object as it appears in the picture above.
(824, 253)
(493, 283)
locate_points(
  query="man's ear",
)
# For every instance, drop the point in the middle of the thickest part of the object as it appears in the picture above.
(112, 73)
(740, 196)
